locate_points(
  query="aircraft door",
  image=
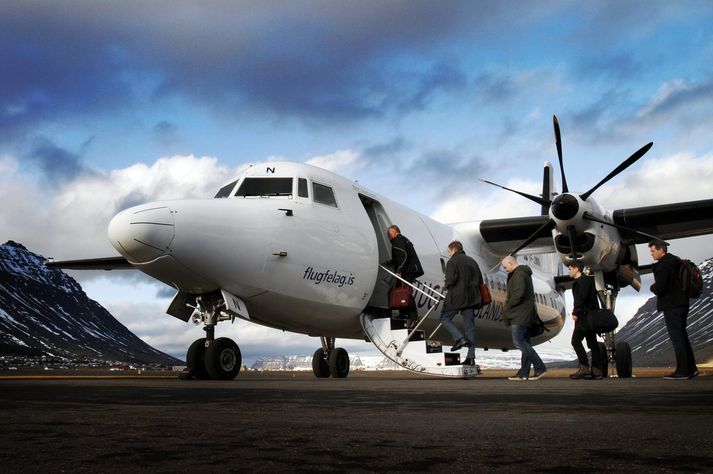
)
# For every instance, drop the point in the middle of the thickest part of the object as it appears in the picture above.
(380, 221)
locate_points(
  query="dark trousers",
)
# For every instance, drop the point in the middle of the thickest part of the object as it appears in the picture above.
(579, 334)
(676, 318)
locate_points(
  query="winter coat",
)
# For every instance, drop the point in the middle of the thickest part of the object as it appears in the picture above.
(667, 284)
(404, 258)
(463, 280)
(584, 293)
(520, 299)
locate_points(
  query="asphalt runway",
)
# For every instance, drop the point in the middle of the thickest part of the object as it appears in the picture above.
(368, 422)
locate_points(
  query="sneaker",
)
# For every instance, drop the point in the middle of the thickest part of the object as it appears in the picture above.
(582, 372)
(694, 374)
(518, 379)
(538, 375)
(675, 376)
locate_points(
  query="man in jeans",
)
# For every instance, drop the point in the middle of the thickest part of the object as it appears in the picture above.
(675, 305)
(520, 313)
(463, 278)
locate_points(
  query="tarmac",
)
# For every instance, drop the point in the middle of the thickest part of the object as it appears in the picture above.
(367, 422)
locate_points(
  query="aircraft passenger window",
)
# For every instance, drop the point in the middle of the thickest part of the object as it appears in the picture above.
(224, 192)
(323, 194)
(302, 188)
(265, 187)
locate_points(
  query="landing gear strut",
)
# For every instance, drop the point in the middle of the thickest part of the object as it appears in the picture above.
(330, 361)
(209, 358)
(614, 354)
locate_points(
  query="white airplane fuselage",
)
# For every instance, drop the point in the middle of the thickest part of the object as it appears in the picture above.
(307, 263)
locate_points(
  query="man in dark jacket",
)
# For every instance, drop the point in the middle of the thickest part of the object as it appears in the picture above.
(520, 313)
(673, 302)
(406, 264)
(584, 292)
(463, 280)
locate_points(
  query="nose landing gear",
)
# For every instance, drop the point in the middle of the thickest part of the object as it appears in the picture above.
(209, 358)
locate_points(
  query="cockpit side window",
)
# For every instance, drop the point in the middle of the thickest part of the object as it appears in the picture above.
(224, 192)
(302, 188)
(265, 187)
(323, 195)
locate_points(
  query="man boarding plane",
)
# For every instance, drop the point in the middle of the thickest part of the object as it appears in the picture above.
(295, 247)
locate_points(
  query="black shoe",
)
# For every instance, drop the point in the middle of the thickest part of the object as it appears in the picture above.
(468, 361)
(462, 342)
(693, 374)
(675, 376)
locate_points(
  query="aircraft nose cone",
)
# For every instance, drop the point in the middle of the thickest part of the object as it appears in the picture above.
(142, 233)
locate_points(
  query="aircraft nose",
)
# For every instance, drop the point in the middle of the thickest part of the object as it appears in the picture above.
(142, 233)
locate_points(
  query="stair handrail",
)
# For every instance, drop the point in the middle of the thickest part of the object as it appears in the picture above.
(412, 331)
(415, 287)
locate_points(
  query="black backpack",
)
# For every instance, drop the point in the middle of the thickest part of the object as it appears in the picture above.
(691, 279)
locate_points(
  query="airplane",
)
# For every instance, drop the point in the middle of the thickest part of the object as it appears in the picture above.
(295, 247)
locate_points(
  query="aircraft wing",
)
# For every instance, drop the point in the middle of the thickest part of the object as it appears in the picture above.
(107, 263)
(504, 235)
(666, 221)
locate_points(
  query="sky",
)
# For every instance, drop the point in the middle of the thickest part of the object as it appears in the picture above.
(104, 105)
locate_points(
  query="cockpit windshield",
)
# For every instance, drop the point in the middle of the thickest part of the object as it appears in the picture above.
(225, 190)
(265, 187)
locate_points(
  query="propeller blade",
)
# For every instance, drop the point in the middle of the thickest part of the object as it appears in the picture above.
(558, 142)
(549, 225)
(629, 161)
(590, 217)
(537, 199)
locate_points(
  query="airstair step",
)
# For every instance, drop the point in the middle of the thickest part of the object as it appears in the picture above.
(416, 354)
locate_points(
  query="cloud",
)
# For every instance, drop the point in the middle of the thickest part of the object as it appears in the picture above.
(343, 162)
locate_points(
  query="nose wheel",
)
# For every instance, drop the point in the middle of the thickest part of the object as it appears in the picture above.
(217, 359)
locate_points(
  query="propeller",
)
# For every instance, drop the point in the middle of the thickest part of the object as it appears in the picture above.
(558, 142)
(566, 206)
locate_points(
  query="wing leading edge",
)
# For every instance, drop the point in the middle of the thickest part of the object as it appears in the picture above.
(106, 263)
(666, 221)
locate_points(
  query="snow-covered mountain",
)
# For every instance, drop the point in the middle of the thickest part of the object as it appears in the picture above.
(44, 311)
(486, 359)
(646, 331)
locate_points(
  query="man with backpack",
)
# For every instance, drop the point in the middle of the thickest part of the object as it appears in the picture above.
(671, 299)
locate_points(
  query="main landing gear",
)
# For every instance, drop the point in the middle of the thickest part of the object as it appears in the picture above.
(209, 358)
(329, 360)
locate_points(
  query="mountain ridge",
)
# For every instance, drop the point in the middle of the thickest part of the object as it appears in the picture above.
(44, 311)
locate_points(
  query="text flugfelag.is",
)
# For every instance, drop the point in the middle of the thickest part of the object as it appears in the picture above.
(330, 276)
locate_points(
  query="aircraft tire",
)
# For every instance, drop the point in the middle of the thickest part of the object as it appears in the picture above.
(623, 360)
(339, 363)
(223, 359)
(195, 360)
(605, 359)
(320, 365)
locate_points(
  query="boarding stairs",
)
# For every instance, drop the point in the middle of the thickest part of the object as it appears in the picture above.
(411, 348)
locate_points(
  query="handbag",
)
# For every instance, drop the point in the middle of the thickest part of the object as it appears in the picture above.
(485, 297)
(537, 327)
(600, 321)
(400, 297)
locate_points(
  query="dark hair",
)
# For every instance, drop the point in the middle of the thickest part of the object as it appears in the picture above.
(395, 227)
(659, 244)
(578, 264)
(456, 245)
